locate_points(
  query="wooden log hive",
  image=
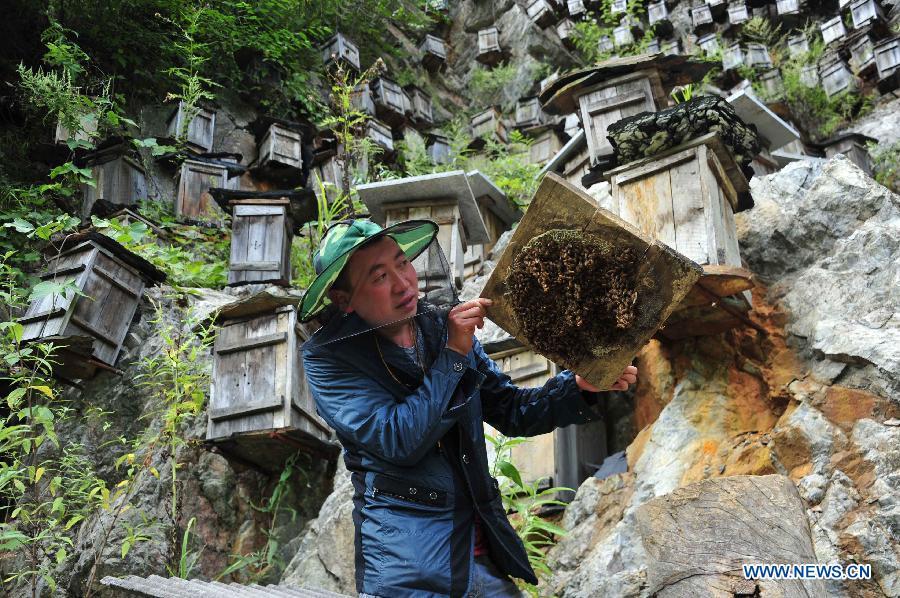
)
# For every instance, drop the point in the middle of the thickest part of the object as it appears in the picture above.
(699, 536)
(648, 285)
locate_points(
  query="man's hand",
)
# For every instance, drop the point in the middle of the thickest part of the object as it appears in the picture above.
(462, 322)
(629, 376)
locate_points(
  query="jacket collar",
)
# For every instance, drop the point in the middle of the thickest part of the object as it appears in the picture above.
(350, 339)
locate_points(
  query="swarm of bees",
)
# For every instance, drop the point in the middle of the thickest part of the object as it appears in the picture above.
(570, 292)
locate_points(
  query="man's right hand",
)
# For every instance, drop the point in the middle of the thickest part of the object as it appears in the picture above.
(462, 322)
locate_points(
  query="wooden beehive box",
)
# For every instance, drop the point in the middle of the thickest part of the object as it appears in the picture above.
(540, 13)
(854, 147)
(685, 197)
(809, 75)
(118, 176)
(671, 47)
(565, 29)
(260, 407)
(657, 12)
(281, 147)
(261, 234)
(576, 8)
(613, 100)
(340, 49)
(112, 280)
(738, 13)
(772, 85)
(88, 124)
(652, 46)
(391, 102)
(447, 199)
(420, 106)
(865, 13)
(787, 7)
(605, 44)
(194, 203)
(835, 75)
(544, 146)
(618, 7)
(489, 50)
(709, 43)
(833, 30)
(434, 53)
(887, 59)
(488, 124)
(199, 132)
(529, 113)
(797, 45)
(438, 148)
(664, 276)
(756, 55)
(381, 134)
(701, 16)
(732, 57)
(622, 35)
(862, 56)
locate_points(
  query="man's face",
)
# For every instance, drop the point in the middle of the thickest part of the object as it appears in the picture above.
(383, 284)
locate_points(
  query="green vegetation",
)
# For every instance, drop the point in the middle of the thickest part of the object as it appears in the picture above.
(822, 114)
(526, 500)
(886, 164)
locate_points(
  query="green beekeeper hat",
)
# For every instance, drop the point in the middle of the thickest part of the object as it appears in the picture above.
(344, 238)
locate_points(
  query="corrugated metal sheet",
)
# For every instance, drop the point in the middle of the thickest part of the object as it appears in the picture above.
(174, 587)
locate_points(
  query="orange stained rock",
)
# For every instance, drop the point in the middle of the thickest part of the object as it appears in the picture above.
(844, 406)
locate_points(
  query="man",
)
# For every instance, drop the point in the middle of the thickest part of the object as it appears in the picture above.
(407, 387)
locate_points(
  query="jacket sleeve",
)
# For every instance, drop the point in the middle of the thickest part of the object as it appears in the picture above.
(518, 411)
(399, 431)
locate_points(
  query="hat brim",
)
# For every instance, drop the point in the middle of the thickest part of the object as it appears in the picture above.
(413, 237)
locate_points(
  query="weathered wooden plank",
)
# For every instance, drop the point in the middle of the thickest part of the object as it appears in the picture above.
(243, 409)
(664, 276)
(699, 536)
(269, 266)
(259, 210)
(251, 342)
(689, 211)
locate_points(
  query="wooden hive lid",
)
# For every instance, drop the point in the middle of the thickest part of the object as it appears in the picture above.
(76, 241)
(664, 276)
(491, 195)
(424, 188)
(560, 96)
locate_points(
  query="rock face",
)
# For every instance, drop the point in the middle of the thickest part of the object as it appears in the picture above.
(814, 398)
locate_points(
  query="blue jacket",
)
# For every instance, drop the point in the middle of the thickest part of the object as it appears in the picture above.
(416, 451)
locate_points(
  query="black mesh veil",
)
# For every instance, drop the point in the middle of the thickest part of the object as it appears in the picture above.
(438, 292)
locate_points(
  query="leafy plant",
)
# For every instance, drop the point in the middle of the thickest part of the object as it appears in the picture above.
(178, 378)
(262, 562)
(487, 85)
(525, 500)
(886, 164)
(50, 487)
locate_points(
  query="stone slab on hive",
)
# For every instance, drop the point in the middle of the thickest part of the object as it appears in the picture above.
(664, 276)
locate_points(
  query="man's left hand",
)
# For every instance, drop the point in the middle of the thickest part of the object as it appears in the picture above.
(628, 376)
